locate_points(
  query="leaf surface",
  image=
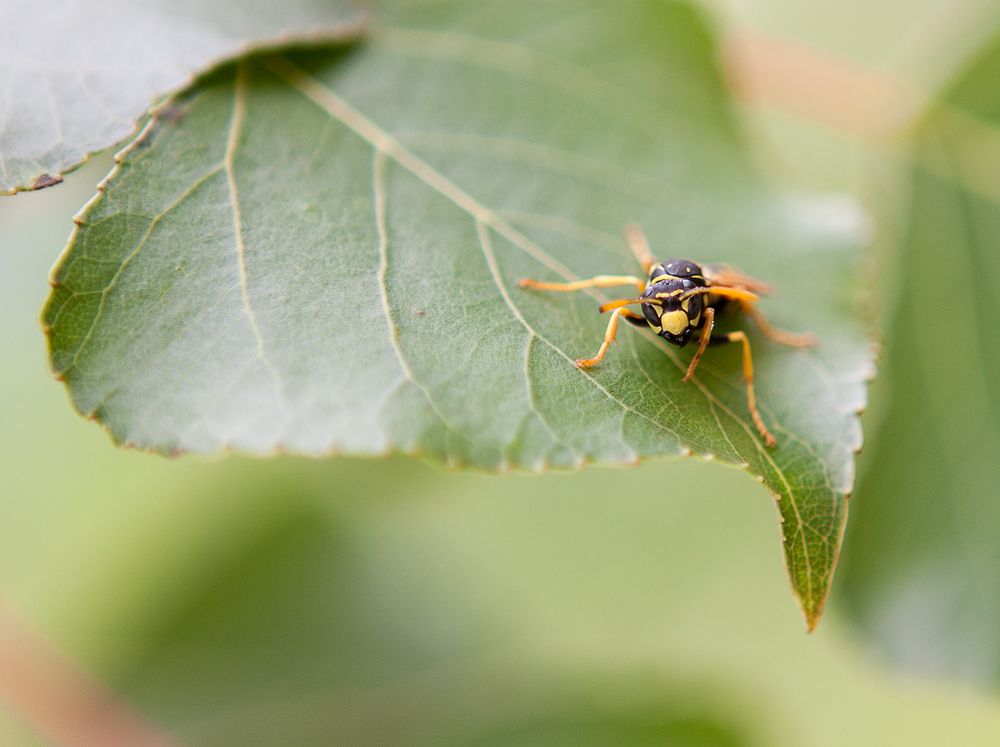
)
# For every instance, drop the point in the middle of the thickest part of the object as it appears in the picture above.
(922, 574)
(322, 256)
(77, 77)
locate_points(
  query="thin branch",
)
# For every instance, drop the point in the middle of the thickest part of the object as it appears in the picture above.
(64, 704)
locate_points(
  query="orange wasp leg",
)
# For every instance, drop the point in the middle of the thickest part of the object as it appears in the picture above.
(639, 245)
(600, 281)
(748, 302)
(706, 335)
(741, 337)
(609, 337)
(767, 329)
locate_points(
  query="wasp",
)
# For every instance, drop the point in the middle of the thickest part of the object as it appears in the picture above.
(678, 299)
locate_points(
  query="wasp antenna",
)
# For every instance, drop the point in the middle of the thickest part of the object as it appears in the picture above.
(622, 302)
(739, 294)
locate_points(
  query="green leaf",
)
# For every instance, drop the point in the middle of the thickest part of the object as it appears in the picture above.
(923, 577)
(78, 76)
(321, 255)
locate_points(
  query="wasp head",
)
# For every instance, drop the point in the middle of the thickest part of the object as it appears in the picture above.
(674, 313)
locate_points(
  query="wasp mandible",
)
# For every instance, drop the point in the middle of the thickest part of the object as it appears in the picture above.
(679, 298)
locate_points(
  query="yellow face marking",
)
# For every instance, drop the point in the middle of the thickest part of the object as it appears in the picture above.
(674, 322)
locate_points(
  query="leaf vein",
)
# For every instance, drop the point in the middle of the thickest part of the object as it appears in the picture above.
(381, 208)
(140, 245)
(235, 127)
(533, 402)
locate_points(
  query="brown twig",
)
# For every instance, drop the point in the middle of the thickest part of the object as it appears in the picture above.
(794, 78)
(64, 704)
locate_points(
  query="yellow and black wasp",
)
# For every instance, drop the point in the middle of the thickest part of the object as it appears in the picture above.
(681, 297)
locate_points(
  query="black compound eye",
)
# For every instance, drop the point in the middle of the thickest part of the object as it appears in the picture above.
(695, 305)
(652, 314)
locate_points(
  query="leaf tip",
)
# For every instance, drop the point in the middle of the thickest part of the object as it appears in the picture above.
(812, 616)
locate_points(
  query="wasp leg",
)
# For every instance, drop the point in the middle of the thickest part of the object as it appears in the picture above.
(640, 246)
(609, 337)
(748, 378)
(601, 281)
(778, 335)
(706, 335)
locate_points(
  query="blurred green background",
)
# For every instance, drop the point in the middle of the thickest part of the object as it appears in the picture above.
(289, 601)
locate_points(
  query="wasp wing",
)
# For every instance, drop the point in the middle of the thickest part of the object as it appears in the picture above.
(726, 276)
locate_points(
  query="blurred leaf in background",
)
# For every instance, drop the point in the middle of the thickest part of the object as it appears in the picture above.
(78, 76)
(923, 566)
(334, 621)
